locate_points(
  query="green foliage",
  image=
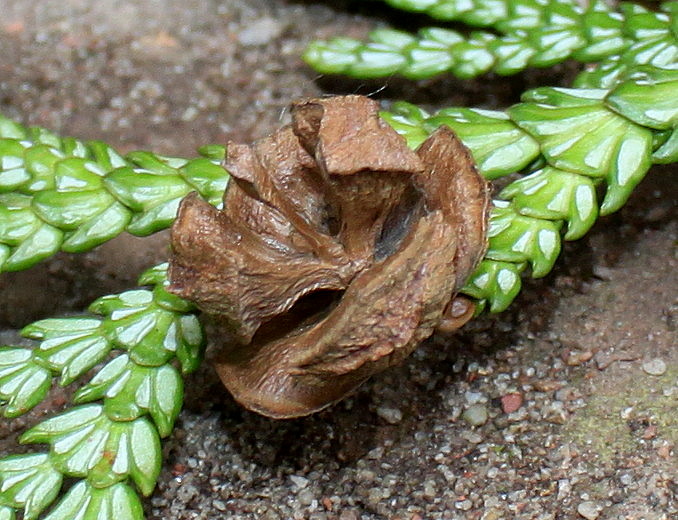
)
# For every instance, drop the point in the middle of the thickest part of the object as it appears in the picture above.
(496, 283)
(554, 194)
(570, 142)
(108, 441)
(64, 194)
(87, 502)
(30, 482)
(23, 381)
(86, 443)
(526, 33)
(498, 145)
(577, 132)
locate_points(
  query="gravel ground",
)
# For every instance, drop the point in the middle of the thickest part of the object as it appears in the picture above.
(563, 407)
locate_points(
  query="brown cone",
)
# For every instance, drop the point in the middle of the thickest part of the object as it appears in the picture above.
(338, 250)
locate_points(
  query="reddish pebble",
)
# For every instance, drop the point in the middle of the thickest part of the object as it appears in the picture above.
(16, 27)
(664, 451)
(178, 470)
(511, 402)
(650, 432)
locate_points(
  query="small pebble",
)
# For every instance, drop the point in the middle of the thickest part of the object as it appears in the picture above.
(374, 496)
(626, 479)
(589, 510)
(429, 489)
(564, 489)
(511, 402)
(260, 32)
(305, 498)
(474, 397)
(300, 482)
(475, 415)
(390, 415)
(464, 505)
(654, 367)
(472, 437)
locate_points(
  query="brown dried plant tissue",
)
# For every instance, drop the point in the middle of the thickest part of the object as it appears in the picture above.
(338, 250)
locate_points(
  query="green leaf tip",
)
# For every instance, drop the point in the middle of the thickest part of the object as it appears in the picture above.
(7, 513)
(23, 381)
(578, 133)
(69, 346)
(86, 502)
(152, 326)
(86, 443)
(518, 238)
(554, 194)
(77, 195)
(28, 482)
(496, 283)
(130, 391)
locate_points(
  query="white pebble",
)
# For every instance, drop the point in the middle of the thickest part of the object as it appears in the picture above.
(654, 367)
(589, 510)
(260, 32)
(390, 415)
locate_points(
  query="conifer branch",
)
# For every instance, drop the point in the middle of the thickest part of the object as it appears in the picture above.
(528, 33)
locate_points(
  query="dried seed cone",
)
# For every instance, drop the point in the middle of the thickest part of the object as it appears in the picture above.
(338, 250)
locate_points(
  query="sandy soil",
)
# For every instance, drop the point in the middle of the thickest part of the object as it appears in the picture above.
(548, 411)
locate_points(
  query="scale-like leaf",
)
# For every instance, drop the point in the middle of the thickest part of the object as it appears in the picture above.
(668, 151)
(42, 243)
(7, 513)
(157, 218)
(604, 32)
(517, 238)
(408, 120)
(605, 75)
(86, 443)
(17, 221)
(578, 133)
(102, 227)
(153, 327)
(134, 322)
(498, 146)
(68, 210)
(86, 502)
(207, 177)
(77, 174)
(496, 283)
(142, 191)
(556, 195)
(41, 161)
(28, 482)
(69, 346)
(130, 390)
(13, 173)
(23, 382)
(191, 349)
(648, 98)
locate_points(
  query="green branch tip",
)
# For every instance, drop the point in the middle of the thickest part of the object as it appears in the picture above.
(111, 441)
(526, 33)
(69, 195)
